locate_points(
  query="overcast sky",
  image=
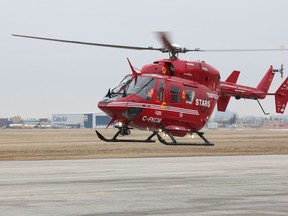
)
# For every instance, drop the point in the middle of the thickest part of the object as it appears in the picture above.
(40, 78)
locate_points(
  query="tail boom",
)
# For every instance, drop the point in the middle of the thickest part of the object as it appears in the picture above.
(247, 92)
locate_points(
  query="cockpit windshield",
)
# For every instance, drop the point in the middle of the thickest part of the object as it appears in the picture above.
(142, 86)
(119, 89)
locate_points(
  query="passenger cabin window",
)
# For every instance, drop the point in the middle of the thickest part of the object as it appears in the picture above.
(175, 94)
(189, 95)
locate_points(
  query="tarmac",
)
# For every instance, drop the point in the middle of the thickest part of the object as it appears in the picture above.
(222, 185)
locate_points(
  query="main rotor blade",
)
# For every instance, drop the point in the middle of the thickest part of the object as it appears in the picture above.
(93, 44)
(168, 47)
(165, 41)
(234, 50)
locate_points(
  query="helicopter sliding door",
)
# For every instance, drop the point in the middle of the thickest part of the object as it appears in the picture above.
(159, 98)
(175, 101)
(189, 105)
(160, 93)
(181, 106)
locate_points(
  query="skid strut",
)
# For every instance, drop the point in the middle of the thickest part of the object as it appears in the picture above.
(174, 142)
(125, 131)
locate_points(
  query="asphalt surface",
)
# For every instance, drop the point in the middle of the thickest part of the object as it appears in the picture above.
(227, 185)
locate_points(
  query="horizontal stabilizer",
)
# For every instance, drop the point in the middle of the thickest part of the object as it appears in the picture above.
(281, 97)
(223, 101)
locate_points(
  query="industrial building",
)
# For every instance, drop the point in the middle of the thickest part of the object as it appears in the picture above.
(3, 122)
(80, 120)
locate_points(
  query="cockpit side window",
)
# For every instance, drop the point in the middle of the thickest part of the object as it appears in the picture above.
(160, 91)
(142, 86)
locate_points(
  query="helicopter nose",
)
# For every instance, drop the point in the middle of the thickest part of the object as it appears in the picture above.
(104, 106)
(113, 109)
(131, 113)
(120, 110)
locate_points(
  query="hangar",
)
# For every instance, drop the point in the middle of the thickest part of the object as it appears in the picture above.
(3, 122)
(80, 120)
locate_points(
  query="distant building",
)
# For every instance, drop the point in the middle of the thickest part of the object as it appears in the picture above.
(16, 122)
(212, 125)
(80, 120)
(225, 117)
(101, 120)
(30, 123)
(67, 120)
(37, 123)
(44, 123)
(3, 122)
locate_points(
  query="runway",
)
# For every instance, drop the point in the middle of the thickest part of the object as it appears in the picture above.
(227, 185)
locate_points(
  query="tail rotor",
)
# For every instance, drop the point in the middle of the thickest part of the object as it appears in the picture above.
(280, 70)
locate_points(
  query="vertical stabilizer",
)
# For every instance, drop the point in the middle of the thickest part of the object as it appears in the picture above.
(281, 97)
(233, 77)
(266, 81)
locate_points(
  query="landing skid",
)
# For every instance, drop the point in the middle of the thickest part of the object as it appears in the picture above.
(126, 131)
(114, 139)
(174, 142)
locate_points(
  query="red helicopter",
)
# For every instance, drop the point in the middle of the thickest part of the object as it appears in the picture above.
(176, 97)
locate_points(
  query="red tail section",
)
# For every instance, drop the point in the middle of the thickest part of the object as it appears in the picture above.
(281, 97)
(223, 101)
(266, 81)
(233, 77)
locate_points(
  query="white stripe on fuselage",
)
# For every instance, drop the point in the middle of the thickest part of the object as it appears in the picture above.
(153, 106)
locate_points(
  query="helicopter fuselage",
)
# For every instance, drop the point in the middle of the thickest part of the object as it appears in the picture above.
(180, 97)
